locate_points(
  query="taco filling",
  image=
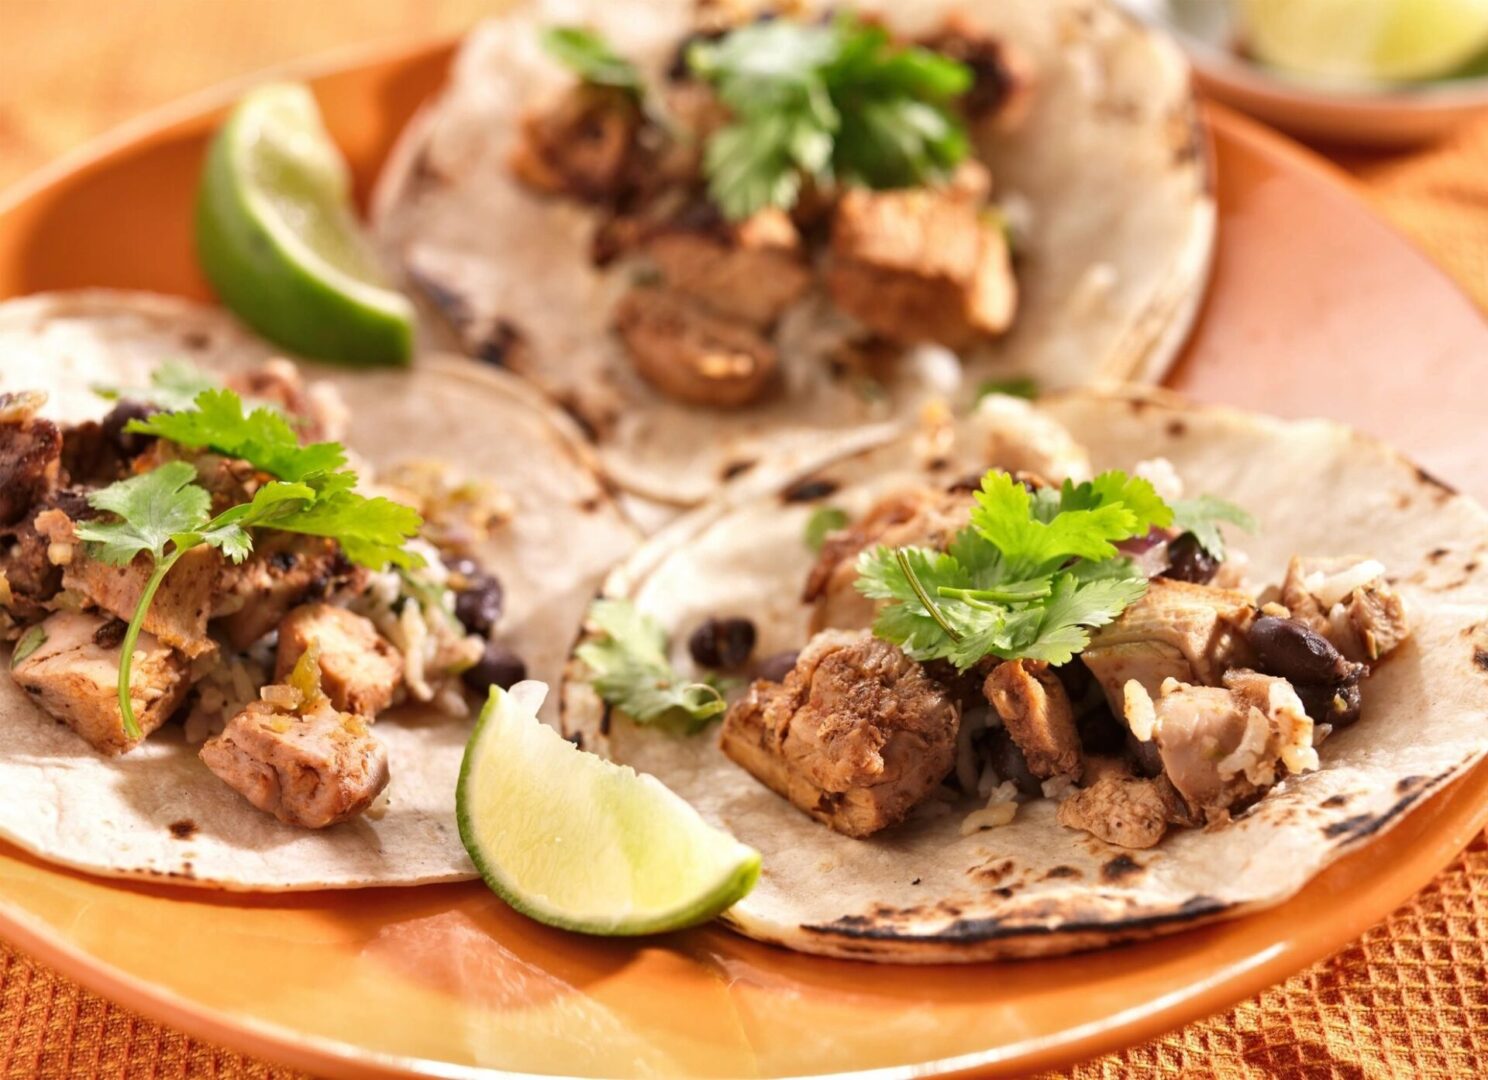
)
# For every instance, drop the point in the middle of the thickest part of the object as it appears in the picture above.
(779, 159)
(208, 555)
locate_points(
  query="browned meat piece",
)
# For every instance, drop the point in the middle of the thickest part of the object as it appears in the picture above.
(692, 355)
(359, 670)
(316, 410)
(284, 571)
(1223, 745)
(1348, 601)
(921, 265)
(183, 603)
(1002, 91)
(1178, 630)
(1036, 712)
(28, 577)
(856, 736)
(30, 454)
(580, 145)
(230, 481)
(312, 771)
(917, 516)
(1125, 810)
(74, 675)
(751, 271)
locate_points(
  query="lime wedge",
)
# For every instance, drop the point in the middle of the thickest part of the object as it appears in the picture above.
(1367, 40)
(277, 237)
(575, 841)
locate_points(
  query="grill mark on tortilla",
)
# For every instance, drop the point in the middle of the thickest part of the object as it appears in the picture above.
(1435, 554)
(1480, 657)
(1443, 489)
(1332, 802)
(735, 468)
(1057, 872)
(1408, 783)
(1122, 866)
(995, 928)
(993, 873)
(184, 829)
(1360, 826)
(810, 489)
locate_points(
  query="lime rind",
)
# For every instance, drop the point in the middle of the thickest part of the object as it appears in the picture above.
(277, 238)
(575, 841)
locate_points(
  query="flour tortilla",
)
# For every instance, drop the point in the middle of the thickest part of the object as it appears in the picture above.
(922, 893)
(157, 812)
(1110, 165)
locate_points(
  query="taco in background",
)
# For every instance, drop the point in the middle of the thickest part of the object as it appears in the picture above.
(309, 578)
(1018, 697)
(715, 262)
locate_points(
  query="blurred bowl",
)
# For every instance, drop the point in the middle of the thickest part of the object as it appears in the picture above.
(1391, 116)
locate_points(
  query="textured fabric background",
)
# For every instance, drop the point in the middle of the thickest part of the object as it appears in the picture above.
(1410, 999)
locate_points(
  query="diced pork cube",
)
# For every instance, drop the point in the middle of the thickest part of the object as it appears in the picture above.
(691, 354)
(74, 675)
(579, 145)
(359, 669)
(30, 454)
(751, 271)
(312, 771)
(1348, 601)
(285, 570)
(856, 736)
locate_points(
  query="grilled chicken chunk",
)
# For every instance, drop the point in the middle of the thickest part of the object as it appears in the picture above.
(1036, 714)
(1223, 745)
(691, 354)
(751, 271)
(1191, 633)
(921, 265)
(1125, 810)
(915, 516)
(284, 571)
(311, 770)
(30, 454)
(359, 669)
(580, 145)
(74, 675)
(855, 736)
(1348, 601)
(178, 616)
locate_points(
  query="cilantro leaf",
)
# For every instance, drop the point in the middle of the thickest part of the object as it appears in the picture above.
(1201, 517)
(823, 521)
(1028, 578)
(263, 437)
(836, 101)
(173, 385)
(372, 532)
(589, 55)
(151, 508)
(630, 670)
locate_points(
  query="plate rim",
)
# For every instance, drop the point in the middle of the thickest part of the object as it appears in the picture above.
(280, 1044)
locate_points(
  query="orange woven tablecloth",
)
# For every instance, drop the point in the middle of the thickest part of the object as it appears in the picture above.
(1409, 999)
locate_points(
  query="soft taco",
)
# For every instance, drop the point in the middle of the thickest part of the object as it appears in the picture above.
(719, 233)
(999, 715)
(343, 566)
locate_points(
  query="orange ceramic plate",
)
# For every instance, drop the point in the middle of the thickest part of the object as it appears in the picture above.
(1316, 308)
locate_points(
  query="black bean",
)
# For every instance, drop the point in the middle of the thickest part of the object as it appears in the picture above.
(1145, 754)
(129, 444)
(478, 605)
(1337, 705)
(110, 633)
(1010, 764)
(776, 668)
(722, 643)
(1100, 731)
(1188, 561)
(1297, 654)
(498, 666)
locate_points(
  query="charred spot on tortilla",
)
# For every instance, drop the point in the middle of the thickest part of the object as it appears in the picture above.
(916, 881)
(732, 469)
(590, 504)
(500, 344)
(447, 300)
(1177, 428)
(1333, 802)
(1480, 657)
(809, 489)
(1056, 873)
(183, 829)
(1119, 868)
(196, 340)
(1443, 489)
(992, 873)
(1408, 783)
(569, 403)
(1436, 554)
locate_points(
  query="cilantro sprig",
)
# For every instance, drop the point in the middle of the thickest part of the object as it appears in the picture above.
(588, 55)
(630, 670)
(1029, 577)
(164, 513)
(1201, 517)
(836, 101)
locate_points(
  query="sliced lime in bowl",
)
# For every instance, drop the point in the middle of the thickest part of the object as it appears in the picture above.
(278, 238)
(578, 842)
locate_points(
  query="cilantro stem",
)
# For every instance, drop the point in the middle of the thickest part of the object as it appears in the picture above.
(901, 556)
(131, 636)
(1016, 593)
